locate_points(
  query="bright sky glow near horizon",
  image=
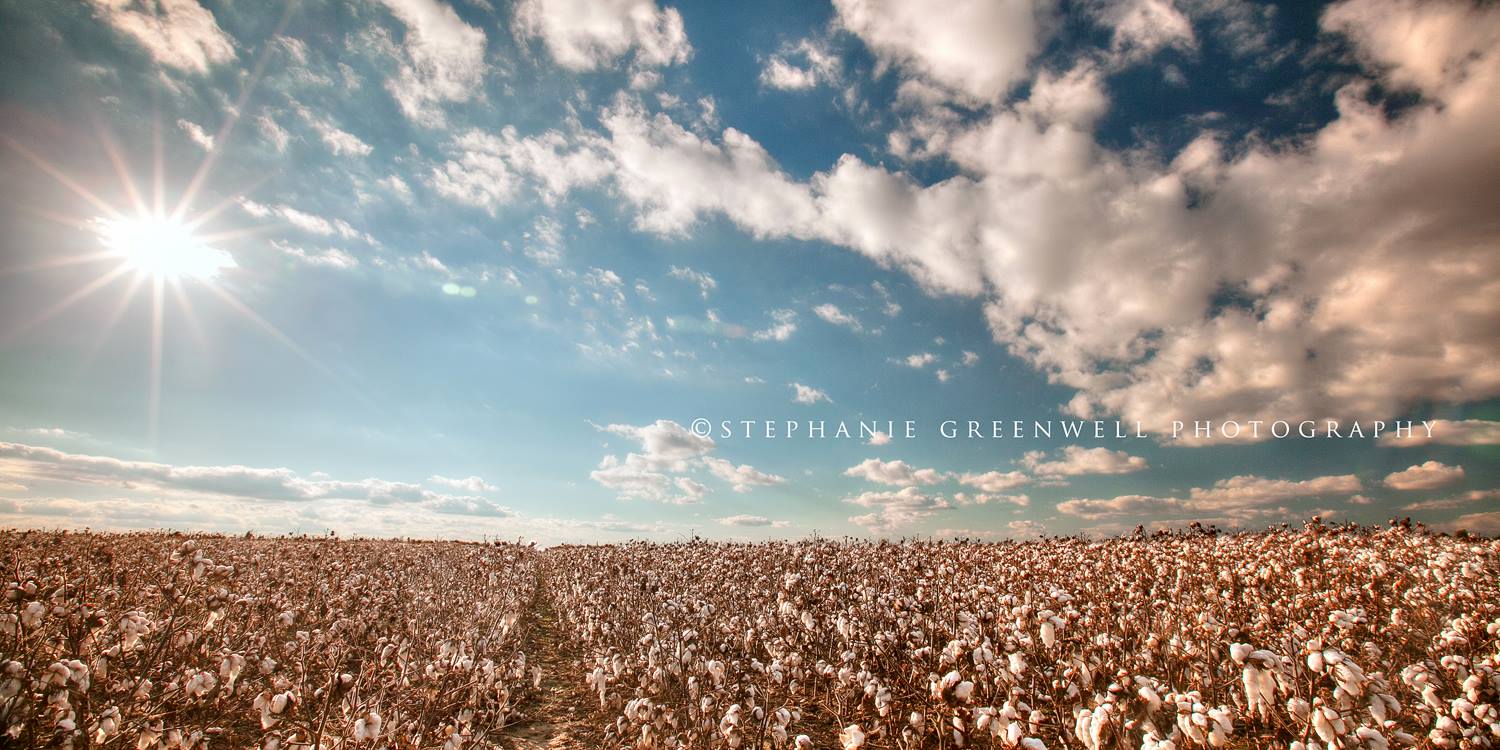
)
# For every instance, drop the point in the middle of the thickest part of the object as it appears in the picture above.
(464, 269)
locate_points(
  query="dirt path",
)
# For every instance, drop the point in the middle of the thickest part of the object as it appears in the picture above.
(555, 716)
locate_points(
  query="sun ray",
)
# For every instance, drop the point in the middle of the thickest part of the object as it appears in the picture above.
(122, 167)
(78, 295)
(153, 404)
(200, 176)
(57, 174)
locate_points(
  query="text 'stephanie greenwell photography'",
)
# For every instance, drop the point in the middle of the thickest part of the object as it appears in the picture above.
(702, 375)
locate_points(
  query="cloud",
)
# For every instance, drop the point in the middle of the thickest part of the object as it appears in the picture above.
(664, 443)
(1025, 528)
(920, 360)
(1229, 281)
(470, 484)
(784, 324)
(661, 471)
(987, 498)
(741, 478)
(42, 466)
(994, 481)
(1426, 476)
(331, 257)
(589, 34)
(808, 395)
(898, 473)
(339, 142)
(752, 521)
(442, 60)
(800, 67)
(1457, 501)
(274, 134)
(635, 478)
(179, 34)
(832, 314)
(1076, 460)
(197, 134)
(977, 48)
(894, 509)
(1487, 523)
(878, 438)
(1139, 28)
(706, 283)
(1448, 432)
(1234, 498)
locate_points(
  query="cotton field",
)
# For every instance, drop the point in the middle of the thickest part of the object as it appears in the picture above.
(1319, 637)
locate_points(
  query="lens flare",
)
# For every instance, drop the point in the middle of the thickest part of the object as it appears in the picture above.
(162, 248)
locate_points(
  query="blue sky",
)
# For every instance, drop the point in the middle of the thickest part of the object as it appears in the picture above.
(473, 269)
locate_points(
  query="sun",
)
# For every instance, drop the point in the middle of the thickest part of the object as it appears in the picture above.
(161, 248)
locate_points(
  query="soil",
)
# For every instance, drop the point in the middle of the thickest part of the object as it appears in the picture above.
(556, 715)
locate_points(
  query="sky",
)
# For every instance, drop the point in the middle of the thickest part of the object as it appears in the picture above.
(477, 269)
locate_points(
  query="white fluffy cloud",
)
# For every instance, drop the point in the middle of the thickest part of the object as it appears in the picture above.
(898, 473)
(44, 467)
(442, 60)
(1077, 460)
(1424, 476)
(1277, 279)
(799, 67)
(741, 478)
(783, 325)
(979, 48)
(831, 313)
(808, 395)
(894, 510)
(1240, 497)
(177, 33)
(589, 34)
(662, 469)
(1448, 432)
(995, 481)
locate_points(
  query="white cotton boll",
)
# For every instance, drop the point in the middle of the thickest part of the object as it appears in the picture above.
(1032, 743)
(963, 691)
(851, 737)
(1240, 651)
(1315, 661)
(1017, 664)
(804, 742)
(1049, 634)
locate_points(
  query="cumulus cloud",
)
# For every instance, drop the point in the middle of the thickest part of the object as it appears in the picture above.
(891, 510)
(45, 466)
(1448, 432)
(705, 282)
(486, 170)
(752, 521)
(589, 34)
(808, 395)
(878, 438)
(799, 67)
(180, 34)
(898, 473)
(741, 478)
(919, 360)
(832, 314)
(1425, 476)
(197, 134)
(1236, 498)
(994, 481)
(442, 60)
(783, 325)
(977, 48)
(662, 469)
(1077, 460)
(1456, 501)
(1276, 279)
